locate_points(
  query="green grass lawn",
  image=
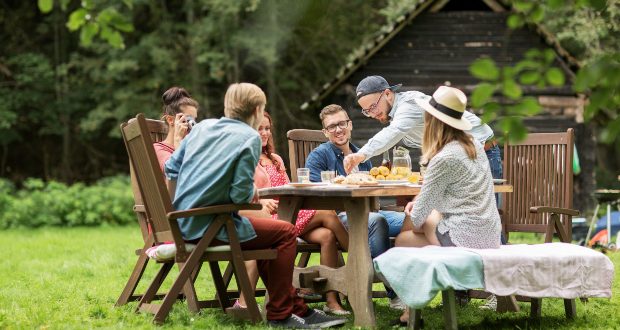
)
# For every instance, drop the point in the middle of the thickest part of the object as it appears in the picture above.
(71, 278)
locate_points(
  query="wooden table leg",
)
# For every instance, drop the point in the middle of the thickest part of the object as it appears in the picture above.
(288, 207)
(359, 267)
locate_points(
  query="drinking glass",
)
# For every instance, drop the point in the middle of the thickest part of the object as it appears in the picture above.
(303, 175)
(327, 176)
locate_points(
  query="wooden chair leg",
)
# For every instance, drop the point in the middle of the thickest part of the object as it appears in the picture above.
(535, 308)
(507, 304)
(570, 308)
(187, 268)
(220, 286)
(241, 274)
(189, 291)
(449, 309)
(151, 291)
(340, 259)
(415, 319)
(138, 270)
(227, 277)
(304, 258)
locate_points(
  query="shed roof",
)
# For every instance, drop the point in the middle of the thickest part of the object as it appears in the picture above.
(473, 34)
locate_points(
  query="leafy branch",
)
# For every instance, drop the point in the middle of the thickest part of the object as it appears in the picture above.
(92, 20)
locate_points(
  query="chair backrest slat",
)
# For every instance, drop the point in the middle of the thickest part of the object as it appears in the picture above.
(158, 130)
(150, 179)
(540, 171)
(300, 143)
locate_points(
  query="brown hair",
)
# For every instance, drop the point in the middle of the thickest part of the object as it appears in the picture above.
(269, 148)
(331, 110)
(241, 100)
(437, 135)
(174, 98)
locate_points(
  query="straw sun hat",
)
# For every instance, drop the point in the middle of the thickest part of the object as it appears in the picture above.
(448, 105)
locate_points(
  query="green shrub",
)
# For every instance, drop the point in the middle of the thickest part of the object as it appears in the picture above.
(108, 201)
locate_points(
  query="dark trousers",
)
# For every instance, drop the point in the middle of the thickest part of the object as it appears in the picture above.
(277, 274)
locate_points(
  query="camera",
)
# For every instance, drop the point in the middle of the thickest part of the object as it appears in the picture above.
(190, 122)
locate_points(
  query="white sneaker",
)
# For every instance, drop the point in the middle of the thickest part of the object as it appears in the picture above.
(490, 304)
(396, 303)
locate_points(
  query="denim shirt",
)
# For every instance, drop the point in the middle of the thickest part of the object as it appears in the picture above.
(327, 157)
(407, 124)
(214, 165)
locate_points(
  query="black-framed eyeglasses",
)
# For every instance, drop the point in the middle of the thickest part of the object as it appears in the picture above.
(342, 124)
(372, 107)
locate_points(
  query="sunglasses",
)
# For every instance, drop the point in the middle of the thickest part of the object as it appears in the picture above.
(372, 107)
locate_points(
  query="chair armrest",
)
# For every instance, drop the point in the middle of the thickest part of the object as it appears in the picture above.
(548, 209)
(215, 209)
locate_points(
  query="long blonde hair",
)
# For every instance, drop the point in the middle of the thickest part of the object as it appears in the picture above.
(437, 135)
(241, 100)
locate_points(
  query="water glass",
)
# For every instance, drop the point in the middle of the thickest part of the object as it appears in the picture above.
(327, 176)
(303, 175)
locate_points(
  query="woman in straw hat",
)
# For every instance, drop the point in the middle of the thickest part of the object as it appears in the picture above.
(456, 206)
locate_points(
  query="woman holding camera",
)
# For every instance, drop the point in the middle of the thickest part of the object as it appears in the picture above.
(179, 112)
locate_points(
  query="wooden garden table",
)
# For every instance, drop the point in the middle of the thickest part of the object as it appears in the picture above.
(358, 202)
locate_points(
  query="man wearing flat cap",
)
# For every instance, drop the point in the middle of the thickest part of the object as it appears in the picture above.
(405, 116)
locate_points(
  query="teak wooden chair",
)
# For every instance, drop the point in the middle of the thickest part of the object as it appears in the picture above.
(300, 143)
(158, 208)
(540, 169)
(158, 131)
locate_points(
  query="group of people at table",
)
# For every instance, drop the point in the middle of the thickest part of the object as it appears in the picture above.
(221, 161)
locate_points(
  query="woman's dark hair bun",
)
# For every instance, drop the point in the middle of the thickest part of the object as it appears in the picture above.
(174, 94)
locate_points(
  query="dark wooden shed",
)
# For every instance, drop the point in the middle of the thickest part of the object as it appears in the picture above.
(434, 44)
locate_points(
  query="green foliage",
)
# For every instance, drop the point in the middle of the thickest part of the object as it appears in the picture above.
(109, 201)
(96, 19)
(535, 69)
(588, 28)
(601, 78)
(65, 90)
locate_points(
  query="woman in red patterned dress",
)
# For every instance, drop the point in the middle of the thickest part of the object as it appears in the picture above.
(314, 226)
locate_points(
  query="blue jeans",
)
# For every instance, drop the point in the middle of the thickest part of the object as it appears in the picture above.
(495, 161)
(378, 238)
(394, 221)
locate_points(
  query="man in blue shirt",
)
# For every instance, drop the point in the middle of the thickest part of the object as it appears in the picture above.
(329, 156)
(215, 165)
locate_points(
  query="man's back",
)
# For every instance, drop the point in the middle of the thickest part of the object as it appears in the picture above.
(214, 165)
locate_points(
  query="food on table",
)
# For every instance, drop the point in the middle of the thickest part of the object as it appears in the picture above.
(397, 173)
(383, 170)
(414, 177)
(339, 179)
(361, 179)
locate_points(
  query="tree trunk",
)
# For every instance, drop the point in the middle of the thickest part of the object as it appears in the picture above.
(195, 88)
(61, 89)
